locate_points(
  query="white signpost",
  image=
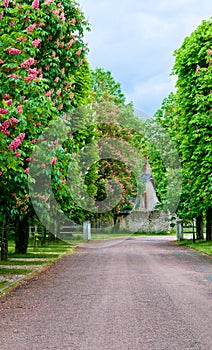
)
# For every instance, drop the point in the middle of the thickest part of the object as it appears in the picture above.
(86, 230)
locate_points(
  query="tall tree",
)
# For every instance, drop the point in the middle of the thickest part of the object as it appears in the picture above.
(187, 116)
(42, 49)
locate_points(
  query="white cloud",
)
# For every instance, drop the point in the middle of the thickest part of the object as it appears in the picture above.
(136, 39)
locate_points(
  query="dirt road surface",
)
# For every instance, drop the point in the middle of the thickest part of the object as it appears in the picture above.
(138, 294)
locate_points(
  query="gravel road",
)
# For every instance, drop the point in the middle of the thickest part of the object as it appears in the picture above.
(138, 294)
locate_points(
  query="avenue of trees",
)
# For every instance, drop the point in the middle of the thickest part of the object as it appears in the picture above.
(45, 77)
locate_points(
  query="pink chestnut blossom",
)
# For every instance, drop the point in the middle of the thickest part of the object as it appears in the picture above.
(62, 16)
(78, 53)
(19, 109)
(1, 62)
(6, 3)
(43, 166)
(27, 63)
(16, 142)
(9, 102)
(17, 154)
(197, 69)
(27, 170)
(22, 39)
(14, 76)
(35, 4)
(208, 52)
(31, 27)
(56, 79)
(14, 120)
(53, 161)
(13, 51)
(70, 43)
(36, 42)
(3, 111)
(4, 126)
(48, 93)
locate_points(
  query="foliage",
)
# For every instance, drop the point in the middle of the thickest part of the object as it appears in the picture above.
(42, 48)
(187, 117)
(105, 88)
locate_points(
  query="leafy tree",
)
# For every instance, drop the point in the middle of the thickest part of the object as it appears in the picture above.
(187, 117)
(42, 49)
(105, 88)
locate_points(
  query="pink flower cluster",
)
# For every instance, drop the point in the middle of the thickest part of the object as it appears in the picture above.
(9, 102)
(1, 62)
(36, 42)
(32, 75)
(31, 27)
(14, 76)
(78, 53)
(17, 154)
(27, 63)
(14, 120)
(35, 4)
(53, 161)
(5, 125)
(27, 170)
(21, 38)
(19, 109)
(197, 69)
(49, 93)
(6, 3)
(70, 43)
(16, 142)
(3, 111)
(13, 51)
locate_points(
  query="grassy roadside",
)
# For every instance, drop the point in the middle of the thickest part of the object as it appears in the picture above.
(201, 246)
(22, 267)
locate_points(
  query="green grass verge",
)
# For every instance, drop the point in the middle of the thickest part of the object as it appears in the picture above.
(11, 271)
(50, 252)
(23, 262)
(35, 255)
(201, 245)
(3, 283)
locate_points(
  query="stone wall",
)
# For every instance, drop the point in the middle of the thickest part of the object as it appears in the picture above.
(145, 221)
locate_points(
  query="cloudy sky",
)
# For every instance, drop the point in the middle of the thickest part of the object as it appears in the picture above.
(135, 40)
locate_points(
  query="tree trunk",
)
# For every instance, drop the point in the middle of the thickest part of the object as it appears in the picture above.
(22, 236)
(209, 224)
(199, 227)
(4, 242)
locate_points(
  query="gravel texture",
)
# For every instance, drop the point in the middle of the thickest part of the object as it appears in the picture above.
(139, 294)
